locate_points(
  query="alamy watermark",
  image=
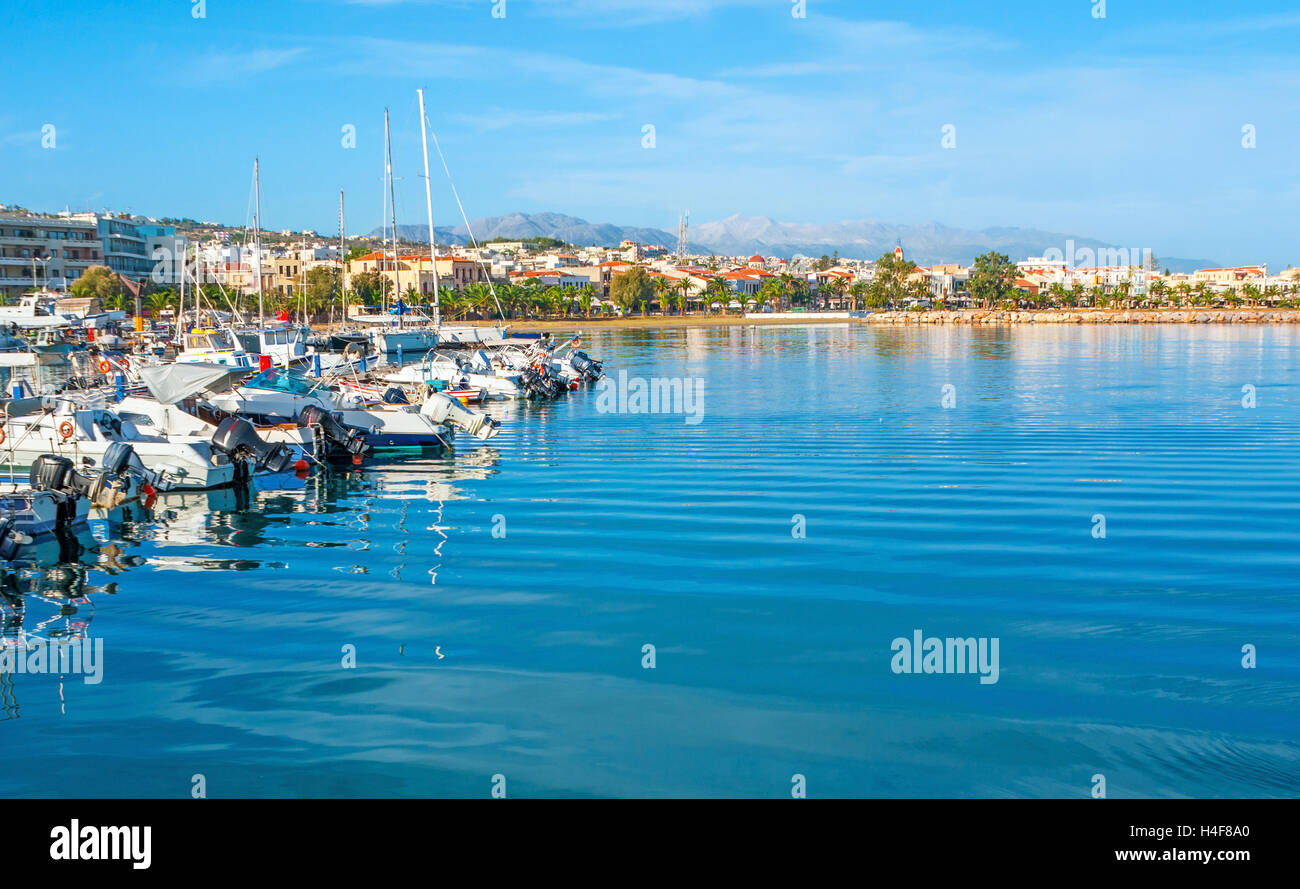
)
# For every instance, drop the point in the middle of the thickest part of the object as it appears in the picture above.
(657, 395)
(83, 657)
(1100, 257)
(930, 654)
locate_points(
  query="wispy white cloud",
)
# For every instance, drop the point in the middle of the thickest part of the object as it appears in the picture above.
(502, 118)
(237, 65)
(791, 69)
(595, 13)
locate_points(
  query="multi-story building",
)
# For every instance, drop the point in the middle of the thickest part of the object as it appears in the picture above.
(126, 248)
(46, 251)
(416, 272)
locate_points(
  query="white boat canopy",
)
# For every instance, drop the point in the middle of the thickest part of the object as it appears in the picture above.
(171, 383)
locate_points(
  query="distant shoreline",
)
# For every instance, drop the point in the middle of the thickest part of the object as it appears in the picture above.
(982, 317)
(957, 317)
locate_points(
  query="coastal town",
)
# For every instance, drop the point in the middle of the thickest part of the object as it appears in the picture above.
(137, 263)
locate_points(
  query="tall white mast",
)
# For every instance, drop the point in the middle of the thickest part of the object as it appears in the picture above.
(343, 293)
(383, 223)
(257, 239)
(181, 303)
(428, 203)
(392, 208)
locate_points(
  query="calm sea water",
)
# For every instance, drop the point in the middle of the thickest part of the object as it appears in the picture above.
(520, 653)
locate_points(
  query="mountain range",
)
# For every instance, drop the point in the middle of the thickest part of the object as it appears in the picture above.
(927, 243)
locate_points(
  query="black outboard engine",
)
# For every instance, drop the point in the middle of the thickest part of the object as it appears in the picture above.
(395, 396)
(237, 438)
(333, 438)
(9, 544)
(539, 383)
(587, 367)
(57, 476)
(106, 488)
(117, 459)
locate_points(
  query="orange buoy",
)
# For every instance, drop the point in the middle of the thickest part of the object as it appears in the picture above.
(2, 435)
(65, 429)
(105, 367)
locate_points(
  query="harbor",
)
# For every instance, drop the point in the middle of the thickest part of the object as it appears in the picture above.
(415, 623)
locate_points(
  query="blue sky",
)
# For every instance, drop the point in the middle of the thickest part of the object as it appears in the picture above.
(1126, 128)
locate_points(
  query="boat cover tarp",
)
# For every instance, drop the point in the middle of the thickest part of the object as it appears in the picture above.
(171, 383)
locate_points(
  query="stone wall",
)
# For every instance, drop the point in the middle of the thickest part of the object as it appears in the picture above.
(1088, 316)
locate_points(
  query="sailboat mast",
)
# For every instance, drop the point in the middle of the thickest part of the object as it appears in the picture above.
(343, 293)
(392, 208)
(383, 223)
(428, 203)
(181, 302)
(257, 239)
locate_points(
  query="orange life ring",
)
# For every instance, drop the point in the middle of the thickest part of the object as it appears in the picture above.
(65, 429)
(2, 435)
(104, 366)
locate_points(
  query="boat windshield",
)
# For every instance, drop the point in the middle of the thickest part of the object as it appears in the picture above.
(217, 341)
(280, 380)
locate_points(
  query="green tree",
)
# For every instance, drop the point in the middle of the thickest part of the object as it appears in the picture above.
(662, 286)
(99, 281)
(993, 278)
(631, 287)
(889, 283)
(322, 284)
(366, 286)
(719, 290)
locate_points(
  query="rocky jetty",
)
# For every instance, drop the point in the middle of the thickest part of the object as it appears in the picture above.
(1087, 316)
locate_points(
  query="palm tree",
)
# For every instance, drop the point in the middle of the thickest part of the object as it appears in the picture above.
(832, 287)
(720, 289)
(684, 288)
(1158, 290)
(661, 287)
(584, 295)
(857, 290)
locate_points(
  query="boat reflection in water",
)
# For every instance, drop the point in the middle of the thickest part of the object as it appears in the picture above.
(48, 597)
(49, 594)
(274, 506)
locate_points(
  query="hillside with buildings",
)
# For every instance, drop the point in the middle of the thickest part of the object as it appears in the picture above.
(540, 264)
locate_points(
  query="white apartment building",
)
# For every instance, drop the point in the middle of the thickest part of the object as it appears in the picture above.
(46, 251)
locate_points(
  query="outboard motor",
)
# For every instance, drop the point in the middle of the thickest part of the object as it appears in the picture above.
(237, 438)
(58, 476)
(105, 489)
(441, 408)
(480, 363)
(337, 437)
(9, 540)
(395, 396)
(538, 381)
(587, 367)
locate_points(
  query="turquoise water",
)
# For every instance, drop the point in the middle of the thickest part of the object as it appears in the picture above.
(520, 653)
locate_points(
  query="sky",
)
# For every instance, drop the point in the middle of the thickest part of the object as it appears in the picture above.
(1130, 127)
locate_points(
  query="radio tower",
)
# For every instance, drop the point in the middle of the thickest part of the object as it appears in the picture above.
(683, 223)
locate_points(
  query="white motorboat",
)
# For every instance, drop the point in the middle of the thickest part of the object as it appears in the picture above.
(283, 343)
(443, 372)
(34, 311)
(410, 340)
(215, 346)
(68, 428)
